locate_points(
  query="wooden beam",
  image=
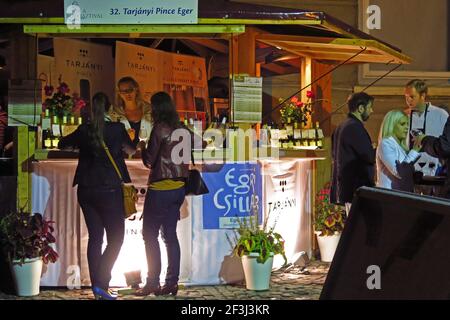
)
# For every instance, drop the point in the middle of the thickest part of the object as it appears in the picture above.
(279, 69)
(277, 40)
(156, 43)
(294, 62)
(200, 50)
(212, 44)
(133, 29)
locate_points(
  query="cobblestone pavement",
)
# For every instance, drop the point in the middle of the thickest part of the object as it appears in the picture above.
(292, 284)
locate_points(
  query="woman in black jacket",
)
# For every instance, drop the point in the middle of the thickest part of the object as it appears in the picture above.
(99, 189)
(165, 193)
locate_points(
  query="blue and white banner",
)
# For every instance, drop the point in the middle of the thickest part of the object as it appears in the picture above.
(78, 12)
(232, 192)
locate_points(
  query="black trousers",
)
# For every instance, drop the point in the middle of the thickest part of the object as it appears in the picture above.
(103, 210)
(161, 213)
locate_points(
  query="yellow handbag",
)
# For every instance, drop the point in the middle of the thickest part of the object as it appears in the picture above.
(130, 195)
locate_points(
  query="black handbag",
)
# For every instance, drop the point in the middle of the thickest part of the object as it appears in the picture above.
(194, 183)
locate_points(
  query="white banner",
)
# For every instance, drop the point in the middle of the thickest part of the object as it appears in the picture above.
(130, 12)
(287, 186)
(86, 67)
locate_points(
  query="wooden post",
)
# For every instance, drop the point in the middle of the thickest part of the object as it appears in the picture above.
(322, 91)
(242, 60)
(23, 66)
(305, 79)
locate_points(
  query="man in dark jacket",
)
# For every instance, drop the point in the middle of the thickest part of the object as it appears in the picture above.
(352, 152)
(439, 148)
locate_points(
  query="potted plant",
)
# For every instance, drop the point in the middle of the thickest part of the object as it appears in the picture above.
(26, 241)
(297, 111)
(329, 222)
(256, 245)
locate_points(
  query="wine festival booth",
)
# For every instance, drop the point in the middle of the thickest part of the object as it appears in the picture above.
(223, 63)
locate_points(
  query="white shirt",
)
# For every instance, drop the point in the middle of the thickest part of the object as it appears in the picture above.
(434, 126)
(145, 129)
(388, 153)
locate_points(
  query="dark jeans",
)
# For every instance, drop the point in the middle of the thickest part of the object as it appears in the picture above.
(102, 210)
(162, 212)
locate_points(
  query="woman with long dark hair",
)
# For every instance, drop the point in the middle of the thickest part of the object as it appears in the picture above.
(99, 189)
(165, 193)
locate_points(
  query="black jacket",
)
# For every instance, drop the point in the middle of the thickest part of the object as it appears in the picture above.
(95, 169)
(353, 160)
(439, 147)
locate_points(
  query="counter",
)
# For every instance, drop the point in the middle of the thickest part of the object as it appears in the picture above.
(283, 186)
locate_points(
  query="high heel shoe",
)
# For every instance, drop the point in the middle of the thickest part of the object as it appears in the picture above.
(169, 289)
(146, 290)
(101, 294)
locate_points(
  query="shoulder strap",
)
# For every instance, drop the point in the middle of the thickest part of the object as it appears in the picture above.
(112, 160)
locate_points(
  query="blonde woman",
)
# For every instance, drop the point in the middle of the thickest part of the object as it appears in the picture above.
(395, 162)
(132, 110)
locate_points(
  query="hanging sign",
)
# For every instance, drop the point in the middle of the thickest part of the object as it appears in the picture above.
(81, 12)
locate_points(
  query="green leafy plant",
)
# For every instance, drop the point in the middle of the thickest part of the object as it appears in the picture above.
(251, 237)
(27, 236)
(329, 217)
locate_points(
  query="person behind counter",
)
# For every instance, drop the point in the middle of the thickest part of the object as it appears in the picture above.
(99, 189)
(132, 110)
(164, 197)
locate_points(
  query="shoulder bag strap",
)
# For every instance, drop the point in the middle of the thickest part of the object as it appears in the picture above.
(112, 160)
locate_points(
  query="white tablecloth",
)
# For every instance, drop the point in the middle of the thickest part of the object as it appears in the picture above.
(204, 253)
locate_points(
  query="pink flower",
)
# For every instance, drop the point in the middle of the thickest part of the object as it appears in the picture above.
(63, 88)
(78, 105)
(310, 94)
(48, 90)
(300, 104)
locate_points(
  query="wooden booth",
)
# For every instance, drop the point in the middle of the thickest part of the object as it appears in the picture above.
(233, 39)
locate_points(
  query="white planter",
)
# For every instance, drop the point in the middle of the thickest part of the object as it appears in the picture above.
(257, 275)
(27, 276)
(327, 246)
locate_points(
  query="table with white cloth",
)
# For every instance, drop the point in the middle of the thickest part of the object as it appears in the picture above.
(285, 194)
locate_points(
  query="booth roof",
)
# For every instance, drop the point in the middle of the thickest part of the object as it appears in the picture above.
(208, 9)
(276, 20)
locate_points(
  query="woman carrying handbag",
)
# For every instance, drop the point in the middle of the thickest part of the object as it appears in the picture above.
(100, 189)
(165, 195)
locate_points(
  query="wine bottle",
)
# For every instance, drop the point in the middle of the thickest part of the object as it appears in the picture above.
(46, 139)
(319, 136)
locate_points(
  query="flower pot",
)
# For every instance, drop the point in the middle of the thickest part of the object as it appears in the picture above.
(27, 276)
(327, 246)
(257, 275)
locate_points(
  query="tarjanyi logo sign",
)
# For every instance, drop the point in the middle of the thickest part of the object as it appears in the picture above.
(232, 192)
(130, 12)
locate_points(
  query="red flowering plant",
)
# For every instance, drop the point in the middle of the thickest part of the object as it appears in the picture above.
(296, 110)
(329, 218)
(60, 103)
(27, 236)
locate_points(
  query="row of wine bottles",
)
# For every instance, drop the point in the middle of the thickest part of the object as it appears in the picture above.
(53, 128)
(290, 136)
